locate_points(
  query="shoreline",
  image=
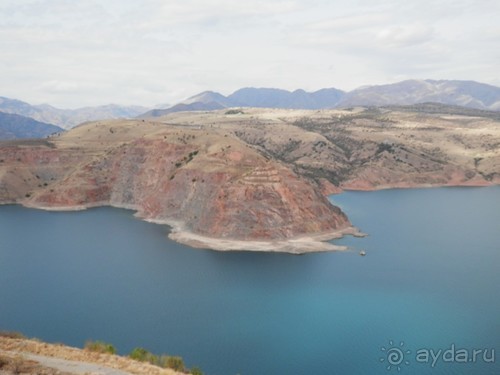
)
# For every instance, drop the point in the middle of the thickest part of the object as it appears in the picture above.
(465, 184)
(300, 244)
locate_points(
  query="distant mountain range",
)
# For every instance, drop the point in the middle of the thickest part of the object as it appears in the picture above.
(468, 94)
(16, 126)
(462, 93)
(255, 97)
(67, 118)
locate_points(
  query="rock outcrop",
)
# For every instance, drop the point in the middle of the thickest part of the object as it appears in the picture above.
(206, 183)
(254, 180)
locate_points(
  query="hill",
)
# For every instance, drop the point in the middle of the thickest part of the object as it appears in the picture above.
(275, 98)
(254, 97)
(461, 93)
(15, 126)
(67, 118)
(183, 107)
(214, 189)
(467, 94)
(252, 179)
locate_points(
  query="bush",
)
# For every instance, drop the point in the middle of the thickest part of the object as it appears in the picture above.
(175, 363)
(139, 354)
(172, 362)
(100, 347)
(234, 112)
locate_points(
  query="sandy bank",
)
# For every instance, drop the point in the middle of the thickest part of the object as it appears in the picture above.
(297, 245)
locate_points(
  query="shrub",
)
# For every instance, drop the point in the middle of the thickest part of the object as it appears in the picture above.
(234, 112)
(175, 363)
(142, 355)
(100, 347)
(139, 354)
(172, 362)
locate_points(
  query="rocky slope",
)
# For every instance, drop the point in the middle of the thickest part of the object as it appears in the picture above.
(205, 183)
(370, 148)
(367, 148)
(252, 179)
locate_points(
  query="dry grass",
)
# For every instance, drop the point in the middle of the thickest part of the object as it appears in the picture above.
(12, 348)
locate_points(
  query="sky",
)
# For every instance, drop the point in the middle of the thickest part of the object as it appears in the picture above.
(72, 53)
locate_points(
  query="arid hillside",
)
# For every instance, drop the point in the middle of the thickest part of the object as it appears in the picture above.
(255, 178)
(371, 148)
(206, 183)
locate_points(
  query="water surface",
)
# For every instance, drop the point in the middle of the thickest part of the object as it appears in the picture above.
(429, 280)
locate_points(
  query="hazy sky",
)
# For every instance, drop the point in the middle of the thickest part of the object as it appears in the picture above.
(73, 53)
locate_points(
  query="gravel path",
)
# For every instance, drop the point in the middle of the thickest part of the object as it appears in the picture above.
(74, 367)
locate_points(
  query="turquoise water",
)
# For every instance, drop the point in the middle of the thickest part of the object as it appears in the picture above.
(430, 280)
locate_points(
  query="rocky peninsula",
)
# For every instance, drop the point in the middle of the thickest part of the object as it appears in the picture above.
(253, 179)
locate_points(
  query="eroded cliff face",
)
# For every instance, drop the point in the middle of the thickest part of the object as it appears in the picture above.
(260, 175)
(207, 183)
(369, 148)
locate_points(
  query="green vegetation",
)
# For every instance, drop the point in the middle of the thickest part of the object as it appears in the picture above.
(142, 355)
(165, 361)
(99, 347)
(175, 363)
(196, 371)
(139, 354)
(186, 159)
(234, 112)
(385, 147)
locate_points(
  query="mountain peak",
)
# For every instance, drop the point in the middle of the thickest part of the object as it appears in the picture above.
(206, 97)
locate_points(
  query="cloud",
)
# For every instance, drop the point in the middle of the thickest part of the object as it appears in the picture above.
(199, 11)
(153, 51)
(406, 35)
(60, 87)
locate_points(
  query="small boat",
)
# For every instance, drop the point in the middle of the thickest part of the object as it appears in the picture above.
(362, 253)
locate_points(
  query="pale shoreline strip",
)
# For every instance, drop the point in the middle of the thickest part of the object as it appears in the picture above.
(306, 243)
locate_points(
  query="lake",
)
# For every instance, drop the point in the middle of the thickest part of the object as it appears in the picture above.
(428, 287)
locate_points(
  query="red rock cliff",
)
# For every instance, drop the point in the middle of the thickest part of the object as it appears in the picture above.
(210, 184)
